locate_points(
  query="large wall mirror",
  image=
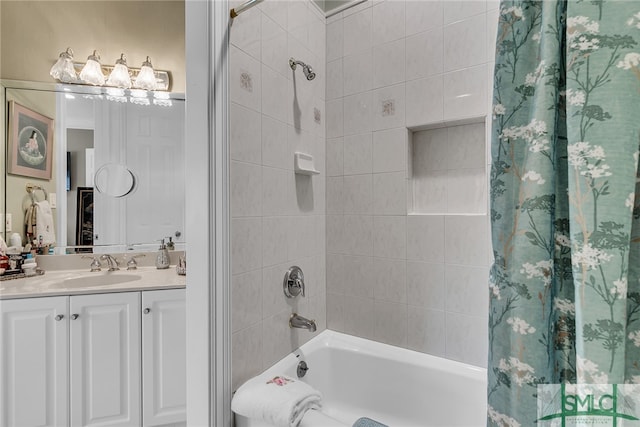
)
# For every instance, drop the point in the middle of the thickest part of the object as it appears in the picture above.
(108, 162)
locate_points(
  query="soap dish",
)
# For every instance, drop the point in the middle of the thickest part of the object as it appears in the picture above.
(303, 164)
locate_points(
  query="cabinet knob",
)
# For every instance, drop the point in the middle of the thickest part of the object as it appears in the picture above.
(146, 311)
(59, 317)
(74, 316)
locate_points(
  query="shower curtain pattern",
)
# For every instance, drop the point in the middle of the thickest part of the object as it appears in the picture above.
(565, 284)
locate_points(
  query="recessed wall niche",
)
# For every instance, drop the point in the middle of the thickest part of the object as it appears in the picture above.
(447, 173)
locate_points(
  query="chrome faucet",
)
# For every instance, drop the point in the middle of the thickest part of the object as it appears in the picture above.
(111, 261)
(297, 321)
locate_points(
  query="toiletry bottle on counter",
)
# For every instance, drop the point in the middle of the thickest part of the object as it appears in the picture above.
(162, 259)
(181, 268)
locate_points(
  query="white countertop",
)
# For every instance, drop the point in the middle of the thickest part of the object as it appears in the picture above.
(80, 282)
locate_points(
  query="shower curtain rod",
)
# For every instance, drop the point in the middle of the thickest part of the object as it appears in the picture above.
(244, 6)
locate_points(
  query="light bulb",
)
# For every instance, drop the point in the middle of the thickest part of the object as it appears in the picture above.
(63, 68)
(119, 77)
(92, 71)
(146, 77)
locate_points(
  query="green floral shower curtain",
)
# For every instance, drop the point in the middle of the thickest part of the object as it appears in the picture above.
(565, 285)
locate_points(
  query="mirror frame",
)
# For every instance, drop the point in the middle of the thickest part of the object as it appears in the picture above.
(60, 173)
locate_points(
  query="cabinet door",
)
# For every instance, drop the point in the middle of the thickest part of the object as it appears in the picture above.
(105, 359)
(34, 334)
(164, 363)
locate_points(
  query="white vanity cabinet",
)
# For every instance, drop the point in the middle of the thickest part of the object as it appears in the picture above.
(34, 336)
(115, 359)
(164, 358)
(105, 359)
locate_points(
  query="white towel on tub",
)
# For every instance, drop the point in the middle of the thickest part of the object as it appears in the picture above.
(280, 401)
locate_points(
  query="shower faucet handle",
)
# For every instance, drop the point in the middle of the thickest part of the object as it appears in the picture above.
(293, 284)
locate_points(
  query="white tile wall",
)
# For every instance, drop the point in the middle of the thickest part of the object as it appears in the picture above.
(425, 238)
(358, 152)
(357, 194)
(388, 63)
(246, 188)
(465, 93)
(357, 32)
(390, 150)
(358, 111)
(425, 101)
(275, 150)
(416, 281)
(388, 21)
(335, 40)
(458, 10)
(425, 284)
(278, 218)
(390, 322)
(422, 16)
(245, 79)
(430, 44)
(389, 236)
(357, 72)
(335, 79)
(427, 331)
(335, 156)
(468, 35)
(390, 280)
(390, 193)
(372, 270)
(274, 45)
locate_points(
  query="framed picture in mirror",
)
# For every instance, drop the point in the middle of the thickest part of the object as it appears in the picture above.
(84, 218)
(30, 143)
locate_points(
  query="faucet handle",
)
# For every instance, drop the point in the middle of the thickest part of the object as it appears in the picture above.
(95, 264)
(132, 264)
(293, 283)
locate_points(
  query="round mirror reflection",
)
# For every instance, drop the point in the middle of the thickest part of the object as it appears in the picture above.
(114, 180)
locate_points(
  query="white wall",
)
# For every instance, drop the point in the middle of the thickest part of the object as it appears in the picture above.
(416, 281)
(278, 218)
(33, 33)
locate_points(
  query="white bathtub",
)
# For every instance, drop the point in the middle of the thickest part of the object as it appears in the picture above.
(397, 387)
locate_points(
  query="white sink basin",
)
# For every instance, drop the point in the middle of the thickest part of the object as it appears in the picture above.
(100, 279)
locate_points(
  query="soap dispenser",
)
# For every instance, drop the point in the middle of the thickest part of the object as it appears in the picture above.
(162, 259)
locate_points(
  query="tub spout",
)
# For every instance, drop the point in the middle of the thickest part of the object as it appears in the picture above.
(297, 321)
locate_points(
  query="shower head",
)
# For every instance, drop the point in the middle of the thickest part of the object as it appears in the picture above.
(308, 72)
(306, 69)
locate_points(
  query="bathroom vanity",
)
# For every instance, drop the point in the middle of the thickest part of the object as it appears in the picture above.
(89, 348)
(82, 348)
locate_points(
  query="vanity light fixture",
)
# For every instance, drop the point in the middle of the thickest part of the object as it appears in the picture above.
(120, 77)
(92, 71)
(146, 79)
(63, 68)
